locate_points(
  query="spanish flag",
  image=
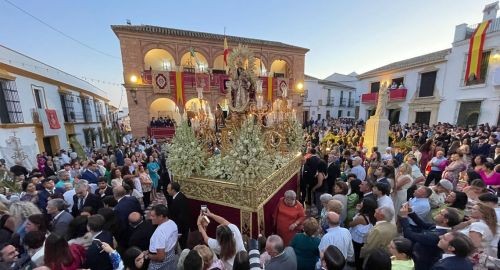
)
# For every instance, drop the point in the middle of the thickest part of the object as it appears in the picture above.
(474, 59)
(179, 89)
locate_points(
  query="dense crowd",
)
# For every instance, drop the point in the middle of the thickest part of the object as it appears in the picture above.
(430, 201)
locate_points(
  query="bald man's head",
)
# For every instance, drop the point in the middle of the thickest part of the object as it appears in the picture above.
(333, 219)
(134, 217)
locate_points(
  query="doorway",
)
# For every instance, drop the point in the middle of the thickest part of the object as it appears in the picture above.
(423, 118)
(47, 145)
(468, 115)
(394, 116)
(305, 116)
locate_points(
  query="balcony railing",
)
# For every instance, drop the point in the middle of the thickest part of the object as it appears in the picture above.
(350, 102)
(342, 102)
(161, 132)
(395, 95)
(330, 101)
(494, 27)
(216, 79)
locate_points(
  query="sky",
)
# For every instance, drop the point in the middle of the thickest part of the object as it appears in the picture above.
(343, 36)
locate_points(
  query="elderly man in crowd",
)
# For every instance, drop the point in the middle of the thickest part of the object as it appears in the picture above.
(382, 233)
(281, 257)
(56, 208)
(357, 169)
(337, 236)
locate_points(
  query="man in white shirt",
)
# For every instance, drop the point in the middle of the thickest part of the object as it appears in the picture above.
(382, 190)
(337, 236)
(357, 169)
(420, 204)
(163, 241)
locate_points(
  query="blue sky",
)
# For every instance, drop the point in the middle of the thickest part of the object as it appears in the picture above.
(343, 36)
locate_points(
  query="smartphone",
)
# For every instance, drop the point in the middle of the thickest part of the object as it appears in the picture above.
(203, 208)
(98, 243)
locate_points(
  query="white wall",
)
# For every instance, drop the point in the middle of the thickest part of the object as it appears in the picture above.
(456, 92)
(411, 82)
(319, 91)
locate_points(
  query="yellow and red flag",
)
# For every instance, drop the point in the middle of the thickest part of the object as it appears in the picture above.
(474, 59)
(180, 99)
(270, 88)
(226, 51)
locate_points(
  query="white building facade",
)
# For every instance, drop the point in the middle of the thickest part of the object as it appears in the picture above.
(31, 93)
(434, 86)
(324, 99)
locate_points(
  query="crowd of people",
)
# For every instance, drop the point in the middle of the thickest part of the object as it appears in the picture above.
(162, 122)
(430, 201)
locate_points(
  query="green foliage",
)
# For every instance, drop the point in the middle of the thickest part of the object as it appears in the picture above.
(186, 156)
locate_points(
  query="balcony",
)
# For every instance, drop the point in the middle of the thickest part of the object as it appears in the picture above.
(494, 27)
(350, 103)
(396, 95)
(217, 79)
(329, 101)
(342, 102)
(161, 132)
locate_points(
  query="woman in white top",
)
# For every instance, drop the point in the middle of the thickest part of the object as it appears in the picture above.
(116, 175)
(481, 228)
(228, 240)
(403, 182)
(360, 225)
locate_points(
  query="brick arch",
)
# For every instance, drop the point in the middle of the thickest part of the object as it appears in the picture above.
(185, 49)
(155, 45)
(287, 59)
(263, 57)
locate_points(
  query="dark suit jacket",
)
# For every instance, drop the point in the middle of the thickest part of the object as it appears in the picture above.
(92, 200)
(385, 181)
(333, 172)
(107, 192)
(89, 176)
(125, 206)
(311, 168)
(120, 159)
(43, 196)
(425, 238)
(180, 213)
(453, 263)
(140, 236)
(483, 149)
(61, 223)
(95, 259)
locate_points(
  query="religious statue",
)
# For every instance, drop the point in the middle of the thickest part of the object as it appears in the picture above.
(241, 89)
(382, 101)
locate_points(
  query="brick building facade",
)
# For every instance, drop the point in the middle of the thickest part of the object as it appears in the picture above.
(151, 50)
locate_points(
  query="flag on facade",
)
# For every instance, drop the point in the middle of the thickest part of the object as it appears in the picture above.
(203, 81)
(474, 59)
(179, 89)
(161, 81)
(270, 88)
(52, 119)
(226, 51)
